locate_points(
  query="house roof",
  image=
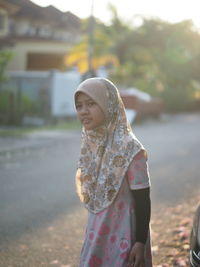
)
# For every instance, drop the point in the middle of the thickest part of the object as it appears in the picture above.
(61, 19)
(9, 7)
(49, 14)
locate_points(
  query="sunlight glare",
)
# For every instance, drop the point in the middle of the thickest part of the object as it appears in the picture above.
(171, 10)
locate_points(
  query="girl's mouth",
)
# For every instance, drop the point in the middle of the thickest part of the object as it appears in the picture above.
(86, 121)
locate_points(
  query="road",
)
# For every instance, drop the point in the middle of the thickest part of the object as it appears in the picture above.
(42, 221)
(37, 184)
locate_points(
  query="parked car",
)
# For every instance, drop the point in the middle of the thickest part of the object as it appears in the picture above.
(144, 104)
(195, 240)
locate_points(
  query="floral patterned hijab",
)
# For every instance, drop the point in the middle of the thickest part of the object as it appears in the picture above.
(106, 151)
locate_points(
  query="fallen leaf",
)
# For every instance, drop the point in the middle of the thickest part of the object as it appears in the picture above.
(54, 262)
(186, 247)
(180, 262)
(154, 248)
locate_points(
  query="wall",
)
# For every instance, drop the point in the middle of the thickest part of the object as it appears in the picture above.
(21, 50)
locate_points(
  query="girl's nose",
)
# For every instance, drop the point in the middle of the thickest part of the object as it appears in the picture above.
(84, 110)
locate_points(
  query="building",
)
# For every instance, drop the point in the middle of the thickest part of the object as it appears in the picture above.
(39, 37)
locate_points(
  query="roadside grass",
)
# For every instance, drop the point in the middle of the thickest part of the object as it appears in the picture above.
(70, 124)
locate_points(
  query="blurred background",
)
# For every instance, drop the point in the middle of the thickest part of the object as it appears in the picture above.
(151, 51)
(46, 51)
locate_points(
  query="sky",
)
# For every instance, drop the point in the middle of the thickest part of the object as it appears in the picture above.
(168, 10)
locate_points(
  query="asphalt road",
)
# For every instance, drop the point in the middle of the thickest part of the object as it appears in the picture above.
(37, 188)
(37, 184)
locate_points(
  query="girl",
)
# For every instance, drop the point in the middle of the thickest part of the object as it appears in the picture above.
(112, 181)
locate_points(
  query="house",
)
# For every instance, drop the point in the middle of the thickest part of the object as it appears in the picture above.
(39, 37)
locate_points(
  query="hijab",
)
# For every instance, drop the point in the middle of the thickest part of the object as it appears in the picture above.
(106, 151)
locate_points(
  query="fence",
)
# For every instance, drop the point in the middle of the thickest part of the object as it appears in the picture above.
(35, 97)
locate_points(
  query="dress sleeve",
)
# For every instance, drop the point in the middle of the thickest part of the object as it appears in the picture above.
(138, 173)
(143, 213)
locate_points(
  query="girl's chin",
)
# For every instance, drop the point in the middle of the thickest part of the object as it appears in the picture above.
(88, 127)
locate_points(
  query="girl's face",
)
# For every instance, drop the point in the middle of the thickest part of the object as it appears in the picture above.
(88, 111)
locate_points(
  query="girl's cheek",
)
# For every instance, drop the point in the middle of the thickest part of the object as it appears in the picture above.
(78, 116)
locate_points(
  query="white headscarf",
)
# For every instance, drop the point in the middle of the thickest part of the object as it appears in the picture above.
(106, 151)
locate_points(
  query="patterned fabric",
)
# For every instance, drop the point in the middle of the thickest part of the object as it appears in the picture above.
(110, 234)
(106, 152)
(138, 173)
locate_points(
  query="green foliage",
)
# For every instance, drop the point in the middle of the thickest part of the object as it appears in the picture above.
(5, 57)
(159, 58)
(29, 106)
(4, 101)
(11, 111)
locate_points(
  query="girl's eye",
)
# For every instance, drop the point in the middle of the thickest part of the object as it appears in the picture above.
(90, 104)
(78, 107)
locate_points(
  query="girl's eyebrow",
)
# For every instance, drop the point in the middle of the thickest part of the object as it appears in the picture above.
(87, 100)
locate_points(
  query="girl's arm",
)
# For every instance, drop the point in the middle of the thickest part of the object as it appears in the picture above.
(142, 212)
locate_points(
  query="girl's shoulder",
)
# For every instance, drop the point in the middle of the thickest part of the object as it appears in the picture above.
(142, 154)
(138, 173)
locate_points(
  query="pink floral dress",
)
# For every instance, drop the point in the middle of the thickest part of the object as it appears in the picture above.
(110, 234)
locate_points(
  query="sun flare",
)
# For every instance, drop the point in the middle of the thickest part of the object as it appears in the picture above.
(171, 10)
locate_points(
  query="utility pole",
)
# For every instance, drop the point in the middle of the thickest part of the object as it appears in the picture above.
(91, 26)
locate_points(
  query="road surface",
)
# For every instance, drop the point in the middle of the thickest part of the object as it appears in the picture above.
(41, 219)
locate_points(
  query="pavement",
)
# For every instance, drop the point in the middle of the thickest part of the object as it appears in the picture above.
(43, 221)
(40, 138)
(33, 140)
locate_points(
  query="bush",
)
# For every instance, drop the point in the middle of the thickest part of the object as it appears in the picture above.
(12, 109)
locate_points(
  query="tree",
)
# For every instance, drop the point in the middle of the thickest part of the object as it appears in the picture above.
(78, 56)
(5, 57)
(158, 57)
(162, 59)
